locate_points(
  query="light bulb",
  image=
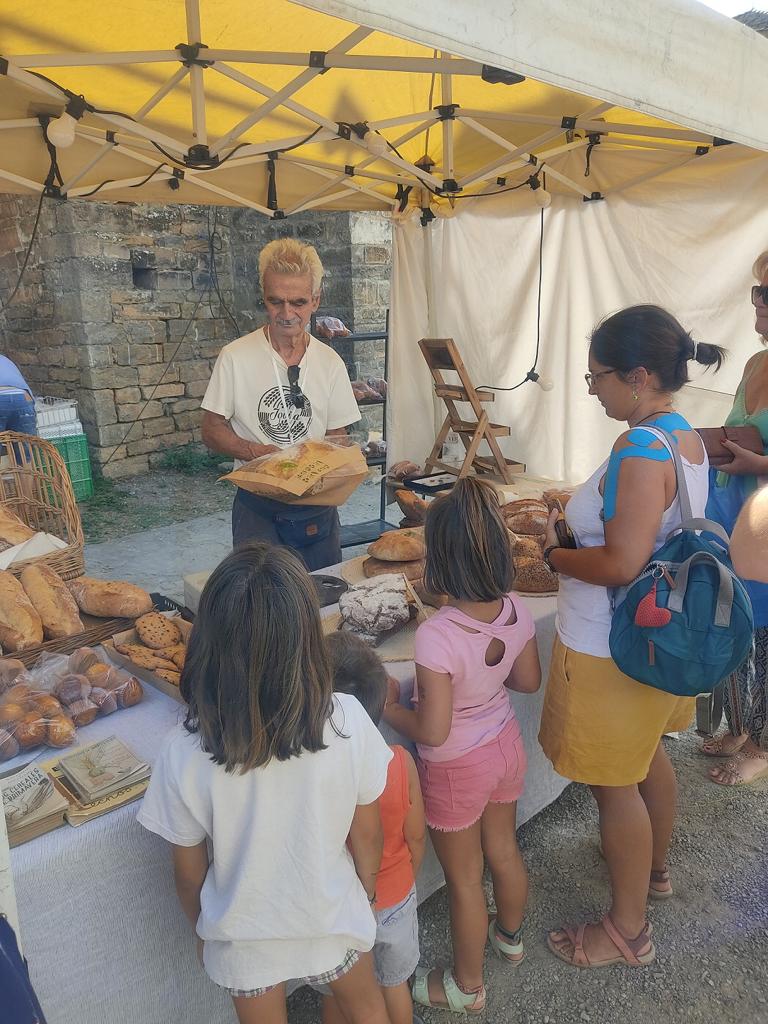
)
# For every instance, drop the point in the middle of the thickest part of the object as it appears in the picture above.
(376, 144)
(407, 214)
(61, 131)
(443, 210)
(545, 384)
(542, 197)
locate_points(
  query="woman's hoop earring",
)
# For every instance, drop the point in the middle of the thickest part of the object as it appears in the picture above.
(635, 394)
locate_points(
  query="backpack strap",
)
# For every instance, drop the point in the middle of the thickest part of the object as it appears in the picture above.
(682, 484)
(724, 594)
(702, 526)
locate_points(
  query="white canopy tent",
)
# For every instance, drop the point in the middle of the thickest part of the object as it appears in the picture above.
(332, 105)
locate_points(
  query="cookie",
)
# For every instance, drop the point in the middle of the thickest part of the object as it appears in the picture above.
(169, 676)
(176, 653)
(143, 657)
(156, 631)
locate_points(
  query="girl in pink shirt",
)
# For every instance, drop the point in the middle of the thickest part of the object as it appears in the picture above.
(471, 758)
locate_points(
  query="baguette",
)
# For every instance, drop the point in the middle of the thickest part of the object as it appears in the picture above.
(110, 599)
(52, 601)
(20, 625)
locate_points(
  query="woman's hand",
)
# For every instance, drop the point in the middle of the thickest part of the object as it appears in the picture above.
(745, 462)
(551, 539)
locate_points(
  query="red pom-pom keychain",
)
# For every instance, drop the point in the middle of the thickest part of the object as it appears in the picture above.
(648, 612)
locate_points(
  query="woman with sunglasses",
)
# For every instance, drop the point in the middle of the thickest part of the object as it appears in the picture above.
(599, 727)
(745, 742)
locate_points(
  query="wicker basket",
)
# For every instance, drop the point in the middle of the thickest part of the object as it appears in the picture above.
(35, 485)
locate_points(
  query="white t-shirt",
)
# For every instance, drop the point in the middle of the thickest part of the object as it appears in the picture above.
(583, 609)
(246, 383)
(281, 899)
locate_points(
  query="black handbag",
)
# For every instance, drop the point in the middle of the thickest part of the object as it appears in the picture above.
(18, 1002)
(305, 525)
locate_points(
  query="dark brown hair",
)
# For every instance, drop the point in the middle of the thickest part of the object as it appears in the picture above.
(357, 669)
(468, 550)
(650, 337)
(257, 678)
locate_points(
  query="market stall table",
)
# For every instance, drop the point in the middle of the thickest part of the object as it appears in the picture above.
(101, 926)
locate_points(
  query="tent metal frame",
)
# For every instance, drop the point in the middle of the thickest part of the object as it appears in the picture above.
(130, 135)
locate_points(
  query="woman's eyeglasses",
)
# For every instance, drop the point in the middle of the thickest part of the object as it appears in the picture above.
(593, 378)
(298, 398)
(760, 293)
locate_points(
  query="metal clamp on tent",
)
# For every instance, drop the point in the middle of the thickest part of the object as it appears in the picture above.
(317, 60)
(200, 158)
(190, 55)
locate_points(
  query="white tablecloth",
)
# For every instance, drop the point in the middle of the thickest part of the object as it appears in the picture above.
(101, 926)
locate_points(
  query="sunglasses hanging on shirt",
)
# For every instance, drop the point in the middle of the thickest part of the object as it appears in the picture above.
(297, 396)
(759, 294)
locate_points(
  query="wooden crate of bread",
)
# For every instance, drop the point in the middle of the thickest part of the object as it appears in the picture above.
(35, 488)
(131, 640)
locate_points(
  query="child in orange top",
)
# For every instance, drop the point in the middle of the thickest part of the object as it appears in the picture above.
(357, 670)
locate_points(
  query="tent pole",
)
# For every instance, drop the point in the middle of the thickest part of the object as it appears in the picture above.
(446, 93)
(194, 35)
(288, 90)
(16, 179)
(250, 83)
(656, 173)
(86, 60)
(517, 155)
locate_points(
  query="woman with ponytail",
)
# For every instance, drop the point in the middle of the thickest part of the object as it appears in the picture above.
(471, 758)
(598, 726)
(745, 742)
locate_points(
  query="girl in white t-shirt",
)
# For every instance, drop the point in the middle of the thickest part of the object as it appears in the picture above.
(260, 789)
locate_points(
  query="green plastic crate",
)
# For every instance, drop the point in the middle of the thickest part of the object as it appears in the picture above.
(74, 451)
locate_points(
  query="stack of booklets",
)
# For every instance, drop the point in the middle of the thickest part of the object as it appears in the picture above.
(31, 803)
(99, 778)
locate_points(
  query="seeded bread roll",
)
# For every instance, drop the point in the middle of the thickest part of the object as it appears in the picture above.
(110, 599)
(52, 600)
(399, 546)
(528, 524)
(527, 547)
(533, 576)
(20, 624)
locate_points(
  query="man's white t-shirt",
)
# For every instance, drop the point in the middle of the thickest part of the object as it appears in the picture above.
(246, 384)
(281, 899)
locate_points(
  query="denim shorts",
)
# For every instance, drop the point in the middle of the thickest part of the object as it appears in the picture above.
(396, 949)
(17, 412)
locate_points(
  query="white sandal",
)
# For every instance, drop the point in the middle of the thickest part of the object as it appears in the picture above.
(512, 952)
(457, 1001)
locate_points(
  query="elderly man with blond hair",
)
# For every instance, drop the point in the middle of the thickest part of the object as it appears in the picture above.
(277, 386)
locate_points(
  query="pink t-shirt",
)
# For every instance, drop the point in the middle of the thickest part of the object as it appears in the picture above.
(481, 705)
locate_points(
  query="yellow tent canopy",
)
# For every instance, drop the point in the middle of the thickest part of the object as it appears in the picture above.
(282, 108)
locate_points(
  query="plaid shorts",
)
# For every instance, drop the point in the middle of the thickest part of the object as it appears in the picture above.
(318, 979)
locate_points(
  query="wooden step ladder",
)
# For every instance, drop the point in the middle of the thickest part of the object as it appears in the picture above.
(441, 355)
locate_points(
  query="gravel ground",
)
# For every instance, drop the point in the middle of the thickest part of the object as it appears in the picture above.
(711, 938)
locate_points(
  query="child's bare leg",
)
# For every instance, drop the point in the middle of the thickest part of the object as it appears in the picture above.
(267, 1009)
(331, 1012)
(359, 996)
(508, 871)
(398, 1002)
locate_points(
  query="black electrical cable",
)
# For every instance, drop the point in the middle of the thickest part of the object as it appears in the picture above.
(215, 246)
(86, 195)
(494, 387)
(27, 254)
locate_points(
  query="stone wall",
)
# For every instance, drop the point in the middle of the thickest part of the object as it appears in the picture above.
(110, 311)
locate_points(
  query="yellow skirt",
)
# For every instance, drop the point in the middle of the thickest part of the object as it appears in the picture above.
(600, 727)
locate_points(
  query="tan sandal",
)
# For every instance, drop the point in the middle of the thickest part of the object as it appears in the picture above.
(637, 952)
(732, 769)
(660, 877)
(714, 746)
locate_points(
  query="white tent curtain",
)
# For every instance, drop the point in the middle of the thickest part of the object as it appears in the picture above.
(685, 241)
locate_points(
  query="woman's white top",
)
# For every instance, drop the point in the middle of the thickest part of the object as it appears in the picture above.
(281, 899)
(584, 609)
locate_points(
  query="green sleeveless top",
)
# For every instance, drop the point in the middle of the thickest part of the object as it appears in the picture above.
(739, 417)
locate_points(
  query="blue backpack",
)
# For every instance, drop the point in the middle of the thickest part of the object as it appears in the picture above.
(685, 623)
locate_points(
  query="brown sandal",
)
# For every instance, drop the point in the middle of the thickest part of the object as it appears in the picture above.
(660, 877)
(713, 747)
(732, 768)
(637, 952)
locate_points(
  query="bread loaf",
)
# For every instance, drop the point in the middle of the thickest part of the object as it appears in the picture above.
(414, 507)
(52, 601)
(12, 530)
(530, 524)
(533, 576)
(399, 546)
(427, 597)
(411, 570)
(110, 599)
(524, 505)
(20, 625)
(375, 607)
(557, 499)
(404, 470)
(527, 547)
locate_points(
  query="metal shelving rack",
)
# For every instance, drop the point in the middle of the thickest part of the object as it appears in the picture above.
(367, 532)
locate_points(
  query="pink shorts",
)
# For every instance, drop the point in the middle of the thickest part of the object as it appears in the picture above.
(457, 792)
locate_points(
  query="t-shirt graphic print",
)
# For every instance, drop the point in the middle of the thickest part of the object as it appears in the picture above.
(272, 409)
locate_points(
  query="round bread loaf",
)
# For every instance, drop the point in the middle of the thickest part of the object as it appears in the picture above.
(524, 505)
(375, 567)
(399, 546)
(528, 524)
(527, 547)
(533, 576)
(156, 631)
(557, 498)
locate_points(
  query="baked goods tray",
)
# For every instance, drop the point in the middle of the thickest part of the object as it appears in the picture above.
(146, 675)
(96, 632)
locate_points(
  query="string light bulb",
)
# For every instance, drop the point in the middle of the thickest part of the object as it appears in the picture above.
(376, 144)
(540, 194)
(61, 130)
(444, 210)
(544, 383)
